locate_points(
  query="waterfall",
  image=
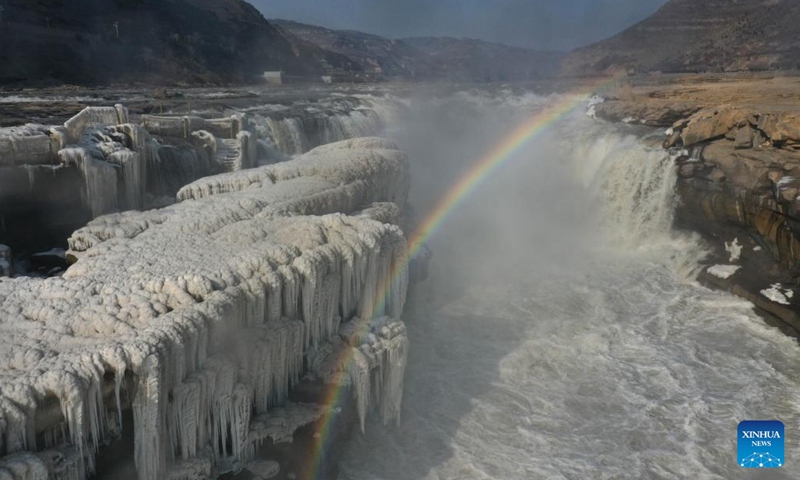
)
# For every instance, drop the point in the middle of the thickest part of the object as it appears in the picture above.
(100, 180)
(288, 135)
(633, 188)
(586, 350)
(172, 168)
(634, 184)
(297, 129)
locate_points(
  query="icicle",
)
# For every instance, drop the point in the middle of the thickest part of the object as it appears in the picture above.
(208, 307)
(360, 378)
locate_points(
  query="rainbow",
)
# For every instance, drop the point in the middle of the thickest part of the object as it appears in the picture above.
(469, 182)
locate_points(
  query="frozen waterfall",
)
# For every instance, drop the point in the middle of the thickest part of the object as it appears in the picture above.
(199, 317)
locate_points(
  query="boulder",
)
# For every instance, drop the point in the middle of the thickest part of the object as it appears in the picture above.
(744, 137)
(711, 124)
(673, 140)
(781, 128)
(750, 169)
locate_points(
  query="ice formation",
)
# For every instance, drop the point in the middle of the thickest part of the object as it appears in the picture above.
(591, 110)
(296, 130)
(734, 249)
(200, 315)
(723, 271)
(120, 163)
(778, 294)
(370, 357)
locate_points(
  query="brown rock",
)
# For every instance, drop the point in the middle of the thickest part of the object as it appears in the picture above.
(686, 170)
(651, 113)
(716, 176)
(710, 124)
(744, 137)
(781, 127)
(673, 140)
(759, 138)
(751, 169)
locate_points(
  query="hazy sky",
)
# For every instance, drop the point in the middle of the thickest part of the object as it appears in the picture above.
(546, 24)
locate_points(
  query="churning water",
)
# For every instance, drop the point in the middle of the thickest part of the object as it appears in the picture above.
(561, 335)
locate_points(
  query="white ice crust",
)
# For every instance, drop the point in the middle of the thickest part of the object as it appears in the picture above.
(734, 249)
(206, 308)
(723, 271)
(778, 294)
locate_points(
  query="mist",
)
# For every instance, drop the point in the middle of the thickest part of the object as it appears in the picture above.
(545, 341)
(530, 214)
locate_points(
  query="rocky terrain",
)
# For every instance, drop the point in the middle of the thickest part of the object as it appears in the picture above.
(439, 58)
(736, 142)
(699, 36)
(375, 56)
(91, 42)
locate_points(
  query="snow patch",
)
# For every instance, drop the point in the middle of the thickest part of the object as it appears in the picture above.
(595, 100)
(785, 181)
(734, 249)
(778, 294)
(723, 271)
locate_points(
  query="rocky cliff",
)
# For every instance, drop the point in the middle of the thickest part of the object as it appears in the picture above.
(124, 41)
(699, 36)
(374, 55)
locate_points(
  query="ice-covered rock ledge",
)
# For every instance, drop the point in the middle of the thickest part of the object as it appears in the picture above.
(200, 316)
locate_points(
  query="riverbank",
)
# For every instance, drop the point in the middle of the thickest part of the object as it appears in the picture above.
(736, 140)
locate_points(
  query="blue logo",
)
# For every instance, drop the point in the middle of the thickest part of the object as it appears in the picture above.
(761, 444)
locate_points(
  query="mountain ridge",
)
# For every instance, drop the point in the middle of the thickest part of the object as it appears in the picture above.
(687, 36)
(90, 42)
(442, 58)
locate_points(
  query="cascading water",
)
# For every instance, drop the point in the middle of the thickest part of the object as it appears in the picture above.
(561, 334)
(297, 129)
